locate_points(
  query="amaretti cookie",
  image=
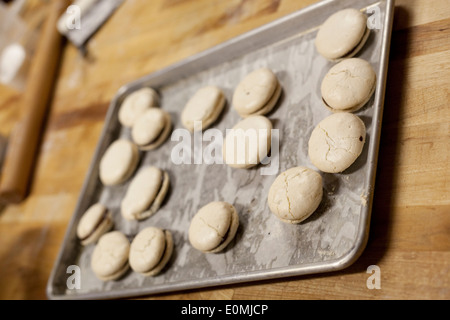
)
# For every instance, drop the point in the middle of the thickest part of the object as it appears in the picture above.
(109, 260)
(118, 162)
(135, 104)
(295, 194)
(213, 227)
(145, 193)
(257, 93)
(95, 222)
(348, 85)
(342, 35)
(248, 142)
(151, 129)
(205, 106)
(150, 251)
(337, 142)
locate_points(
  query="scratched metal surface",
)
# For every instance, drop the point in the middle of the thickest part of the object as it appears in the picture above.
(264, 247)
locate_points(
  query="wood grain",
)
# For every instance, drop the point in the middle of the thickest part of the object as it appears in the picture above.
(410, 228)
(23, 142)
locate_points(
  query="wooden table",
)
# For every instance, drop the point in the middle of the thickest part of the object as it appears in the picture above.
(410, 228)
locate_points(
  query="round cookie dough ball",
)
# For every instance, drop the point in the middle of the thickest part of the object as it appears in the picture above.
(213, 227)
(151, 129)
(135, 104)
(205, 106)
(257, 93)
(295, 194)
(248, 142)
(348, 85)
(150, 251)
(110, 257)
(342, 35)
(95, 222)
(119, 162)
(337, 142)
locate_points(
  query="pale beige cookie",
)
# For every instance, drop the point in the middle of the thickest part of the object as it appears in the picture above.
(119, 162)
(257, 93)
(150, 251)
(151, 129)
(337, 142)
(295, 194)
(145, 193)
(95, 222)
(135, 104)
(110, 257)
(248, 142)
(213, 227)
(342, 35)
(348, 85)
(205, 105)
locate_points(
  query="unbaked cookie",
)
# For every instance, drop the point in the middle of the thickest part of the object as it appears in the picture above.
(205, 105)
(348, 85)
(119, 162)
(342, 35)
(135, 104)
(337, 142)
(295, 194)
(257, 93)
(145, 193)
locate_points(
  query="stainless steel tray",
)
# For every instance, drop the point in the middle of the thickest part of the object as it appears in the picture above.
(264, 248)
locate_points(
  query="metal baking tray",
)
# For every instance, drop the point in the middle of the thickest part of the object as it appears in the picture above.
(264, 247)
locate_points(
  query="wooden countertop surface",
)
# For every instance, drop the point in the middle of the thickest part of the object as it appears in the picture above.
(410, 227)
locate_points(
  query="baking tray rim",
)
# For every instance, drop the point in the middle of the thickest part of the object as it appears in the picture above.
(340, 263)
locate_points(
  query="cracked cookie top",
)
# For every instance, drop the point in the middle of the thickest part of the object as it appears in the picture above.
(110, 256)
(213, 226)
(295, 194)
(337, 142)
(348, 85)
(147, 249)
